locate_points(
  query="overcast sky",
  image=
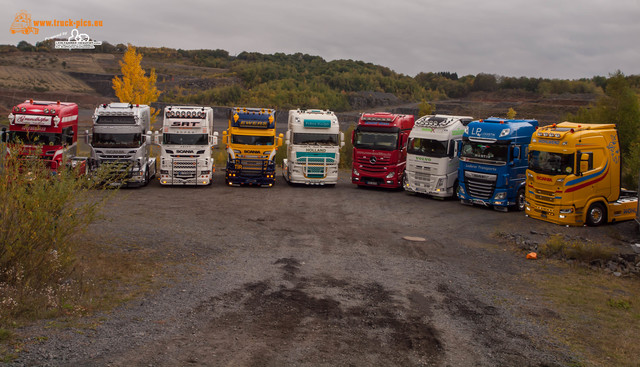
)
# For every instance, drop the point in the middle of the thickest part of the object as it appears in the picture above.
(534, 38)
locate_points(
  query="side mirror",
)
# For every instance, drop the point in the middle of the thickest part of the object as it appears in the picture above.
(584, 163)
(341, 139)
(156, 137)
(280, 136)
(215, 138)
(3, 135)
(288, 137)
(87, 137)
(225, 137)
(353, 135)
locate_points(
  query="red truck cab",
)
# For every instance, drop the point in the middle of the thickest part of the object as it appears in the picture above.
(379, 149)
(48, 130)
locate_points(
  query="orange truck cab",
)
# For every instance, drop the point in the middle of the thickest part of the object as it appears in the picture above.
(574, 176)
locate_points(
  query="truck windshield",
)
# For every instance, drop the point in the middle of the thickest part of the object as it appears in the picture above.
(252, 140)
(35, 138)
(376, 140)
(315, 139)
(108, 140)
(493, 152)
(427, 147)
(185, 139)
(551, 163)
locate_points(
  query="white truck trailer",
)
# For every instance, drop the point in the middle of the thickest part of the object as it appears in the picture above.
(121, 139)
(186, 143)
(313, 148)
(432, 164)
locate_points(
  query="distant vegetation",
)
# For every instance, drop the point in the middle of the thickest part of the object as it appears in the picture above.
(299, 80)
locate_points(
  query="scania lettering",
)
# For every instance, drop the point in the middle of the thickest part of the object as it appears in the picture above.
(313, 148)
(47, 130)
(121, 142)
(251, 146)
(379, 149)
(574, 176)
(186, 144)
(432, 162)
(493, 162)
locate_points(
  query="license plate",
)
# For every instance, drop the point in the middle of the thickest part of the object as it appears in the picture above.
(371, 182)
(477, 201)
(543, 215)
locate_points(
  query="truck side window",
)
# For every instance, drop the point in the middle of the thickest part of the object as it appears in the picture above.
(589, 161)
(520, 155)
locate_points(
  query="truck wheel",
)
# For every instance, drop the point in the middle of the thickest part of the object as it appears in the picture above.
(520, 200)
(596, 215)
(146, 177)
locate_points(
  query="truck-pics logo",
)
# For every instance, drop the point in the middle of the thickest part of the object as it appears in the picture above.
(22, 24)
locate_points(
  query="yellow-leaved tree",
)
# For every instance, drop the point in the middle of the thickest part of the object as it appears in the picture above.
(134, 87)
(511, 114)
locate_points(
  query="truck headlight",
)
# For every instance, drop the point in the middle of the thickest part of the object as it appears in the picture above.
(500, 196)
(355, 172)
(391, 174)
(566, 211)
(440, 183)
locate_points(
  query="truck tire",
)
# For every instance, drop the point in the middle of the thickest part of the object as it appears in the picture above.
(596, 215)
(520, 200)
(455, 191)
(146, 177)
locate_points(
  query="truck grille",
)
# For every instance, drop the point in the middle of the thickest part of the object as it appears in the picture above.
(365, 165)
(253, 167)
(480, 185)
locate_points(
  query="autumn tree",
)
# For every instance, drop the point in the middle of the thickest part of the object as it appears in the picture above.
(134, 87)
(425, 108)
(620, 106)
(511, 114)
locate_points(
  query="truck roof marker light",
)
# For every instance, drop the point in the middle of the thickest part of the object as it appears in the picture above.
(572, 131)
(31, 101)
(58, 103)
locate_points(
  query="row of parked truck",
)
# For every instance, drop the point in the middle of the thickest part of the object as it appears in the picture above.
(563, 173)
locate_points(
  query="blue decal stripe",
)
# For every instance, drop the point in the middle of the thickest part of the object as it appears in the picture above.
(585, 178)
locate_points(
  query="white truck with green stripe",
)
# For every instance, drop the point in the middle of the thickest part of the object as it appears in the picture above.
(313, 148)
(432, 162)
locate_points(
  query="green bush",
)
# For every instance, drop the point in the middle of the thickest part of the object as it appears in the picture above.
(346, 152)
(42, 215)
(557, 246)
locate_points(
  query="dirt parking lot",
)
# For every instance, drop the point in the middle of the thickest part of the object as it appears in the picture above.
(308, 276)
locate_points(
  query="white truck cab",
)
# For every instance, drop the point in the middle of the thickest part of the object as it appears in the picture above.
(313, 147)
(432, 164)
(186, 142)
(121, 139)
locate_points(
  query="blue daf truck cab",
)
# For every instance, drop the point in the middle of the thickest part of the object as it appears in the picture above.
(493, 162)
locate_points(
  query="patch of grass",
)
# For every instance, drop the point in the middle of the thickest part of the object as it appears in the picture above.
(597, 316)
(558, 247)
(5, 334)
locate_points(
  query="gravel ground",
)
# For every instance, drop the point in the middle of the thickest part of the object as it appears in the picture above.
(310, 276)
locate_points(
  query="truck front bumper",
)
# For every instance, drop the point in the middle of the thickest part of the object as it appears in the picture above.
(566, 216)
